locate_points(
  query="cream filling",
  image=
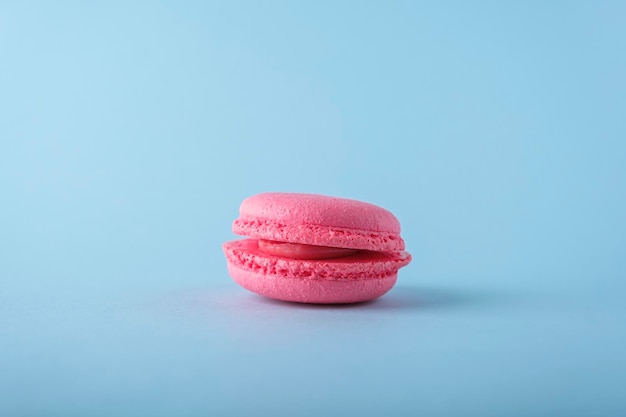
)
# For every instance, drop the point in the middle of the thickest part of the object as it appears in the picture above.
(300, 251)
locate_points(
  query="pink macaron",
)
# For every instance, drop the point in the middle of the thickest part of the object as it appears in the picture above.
(311, 248)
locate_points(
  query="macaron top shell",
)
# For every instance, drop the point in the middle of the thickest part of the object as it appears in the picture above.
(313, 219)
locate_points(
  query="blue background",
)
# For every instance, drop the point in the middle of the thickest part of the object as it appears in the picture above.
(131, 131)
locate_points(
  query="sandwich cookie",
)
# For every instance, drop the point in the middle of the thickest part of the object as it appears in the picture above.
(312, 248)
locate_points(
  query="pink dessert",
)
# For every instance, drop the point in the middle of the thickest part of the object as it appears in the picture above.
(311, 248)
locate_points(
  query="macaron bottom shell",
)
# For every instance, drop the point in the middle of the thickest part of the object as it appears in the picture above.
(313, 291)
(362, 276)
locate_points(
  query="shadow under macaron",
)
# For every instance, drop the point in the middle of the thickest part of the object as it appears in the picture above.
(401, 298)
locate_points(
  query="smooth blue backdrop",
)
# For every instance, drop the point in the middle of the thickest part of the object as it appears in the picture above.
(131, 131)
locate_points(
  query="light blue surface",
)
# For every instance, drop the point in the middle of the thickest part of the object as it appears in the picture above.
(130, 133)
